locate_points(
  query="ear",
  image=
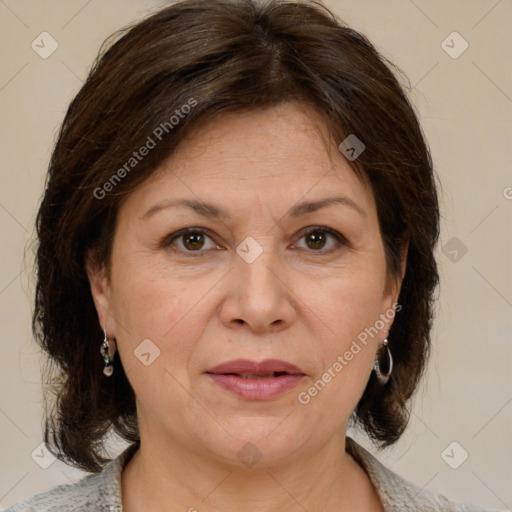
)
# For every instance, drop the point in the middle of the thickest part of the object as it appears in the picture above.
(100, 291)
(394, 283)
(403, 257)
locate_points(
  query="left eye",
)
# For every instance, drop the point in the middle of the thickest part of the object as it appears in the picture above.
(316, 239)
(194, 240)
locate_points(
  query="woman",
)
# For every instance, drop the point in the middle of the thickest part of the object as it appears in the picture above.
(235, 263)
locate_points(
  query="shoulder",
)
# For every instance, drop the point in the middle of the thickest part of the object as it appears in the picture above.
(72, 497)
(97, 492)
(399, 494)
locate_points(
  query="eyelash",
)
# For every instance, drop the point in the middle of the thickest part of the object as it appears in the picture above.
(168, 241)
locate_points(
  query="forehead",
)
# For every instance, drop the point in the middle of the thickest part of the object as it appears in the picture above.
(267, 155)
(269, 132)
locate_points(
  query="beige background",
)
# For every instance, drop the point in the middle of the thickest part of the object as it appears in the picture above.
(465, 105)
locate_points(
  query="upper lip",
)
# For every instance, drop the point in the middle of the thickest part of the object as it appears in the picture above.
(255, 367)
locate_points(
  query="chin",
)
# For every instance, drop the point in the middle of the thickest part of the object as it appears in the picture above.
(255, 441)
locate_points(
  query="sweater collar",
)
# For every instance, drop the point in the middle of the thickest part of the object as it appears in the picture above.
(394, 492)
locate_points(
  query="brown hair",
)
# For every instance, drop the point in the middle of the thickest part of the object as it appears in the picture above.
(220, 56)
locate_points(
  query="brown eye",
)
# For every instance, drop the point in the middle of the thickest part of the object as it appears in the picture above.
(189, 241)
(193, 241)
(318, 238)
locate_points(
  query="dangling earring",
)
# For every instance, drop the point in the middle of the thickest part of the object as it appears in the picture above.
(107, 351)
(383, 366)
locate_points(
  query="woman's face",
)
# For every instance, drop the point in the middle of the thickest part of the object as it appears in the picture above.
(248, 283)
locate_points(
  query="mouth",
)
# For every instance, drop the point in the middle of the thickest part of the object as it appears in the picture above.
(253, 380)
(258, 375)
(250, 369)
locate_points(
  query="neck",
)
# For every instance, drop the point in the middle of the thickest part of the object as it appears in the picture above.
(174, 478)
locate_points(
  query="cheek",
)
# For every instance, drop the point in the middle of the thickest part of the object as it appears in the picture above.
(156, 342)
(350, 305)
(350, 309)
(147, 298)
(148, 305)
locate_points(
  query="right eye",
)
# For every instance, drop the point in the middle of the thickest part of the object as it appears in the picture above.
(189, 240)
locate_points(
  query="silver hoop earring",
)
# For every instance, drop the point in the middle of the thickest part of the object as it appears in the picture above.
(107, 351)
(383, 364)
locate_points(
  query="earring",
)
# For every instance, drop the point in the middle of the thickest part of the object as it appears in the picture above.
(383, 366)
(107, 351)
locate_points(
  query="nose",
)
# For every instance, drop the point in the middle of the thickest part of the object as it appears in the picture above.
(258, 295)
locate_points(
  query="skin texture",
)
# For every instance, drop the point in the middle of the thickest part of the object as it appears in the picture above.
(301, 301)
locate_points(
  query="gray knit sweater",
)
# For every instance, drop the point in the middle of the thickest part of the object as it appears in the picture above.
(102, 492)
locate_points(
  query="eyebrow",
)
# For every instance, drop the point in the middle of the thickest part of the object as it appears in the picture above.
(212, 211)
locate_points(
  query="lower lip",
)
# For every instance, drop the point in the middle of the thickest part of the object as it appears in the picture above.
(256, 389)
